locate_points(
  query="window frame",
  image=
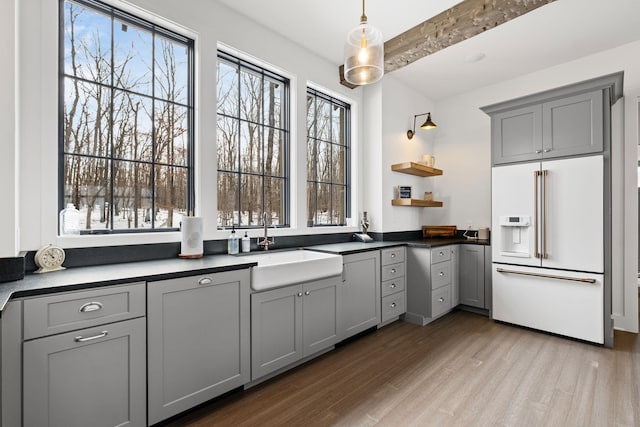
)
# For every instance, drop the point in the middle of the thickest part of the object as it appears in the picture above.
(348, 146)
(156, 30)
(264, 71)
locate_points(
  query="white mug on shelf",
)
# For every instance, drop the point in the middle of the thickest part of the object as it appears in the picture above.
(428, 160)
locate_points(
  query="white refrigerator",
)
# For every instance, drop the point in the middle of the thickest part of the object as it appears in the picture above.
(548, 246)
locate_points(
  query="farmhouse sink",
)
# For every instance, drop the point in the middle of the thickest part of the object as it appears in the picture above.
(276, 269)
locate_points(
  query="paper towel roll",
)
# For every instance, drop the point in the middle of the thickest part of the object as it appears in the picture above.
(191, 245)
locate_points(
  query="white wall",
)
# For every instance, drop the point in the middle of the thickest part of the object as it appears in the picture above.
(209, 23)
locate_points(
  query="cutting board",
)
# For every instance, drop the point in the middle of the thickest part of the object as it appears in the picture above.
(429, 231)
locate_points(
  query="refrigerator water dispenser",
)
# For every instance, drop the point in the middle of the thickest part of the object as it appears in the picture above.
(515, 233)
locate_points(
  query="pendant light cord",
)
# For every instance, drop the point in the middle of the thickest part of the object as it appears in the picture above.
(363, 18)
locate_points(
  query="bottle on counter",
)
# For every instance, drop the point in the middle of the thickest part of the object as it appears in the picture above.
(233, 244)
(69, 220)
(246, 243)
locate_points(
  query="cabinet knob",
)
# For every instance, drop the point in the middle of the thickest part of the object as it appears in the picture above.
(538, 151)
(546, 150)
(441, 299)
(393, 285)
(307, 293)
(441, 253)
(299, 294)
(393, 305)
(441, 274)
(393, 255)
(393, 271)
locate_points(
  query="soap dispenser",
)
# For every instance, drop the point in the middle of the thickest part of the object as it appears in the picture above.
(232, 242)
(246, 243)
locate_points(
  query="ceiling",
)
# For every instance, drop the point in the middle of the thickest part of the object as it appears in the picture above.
(552, 34)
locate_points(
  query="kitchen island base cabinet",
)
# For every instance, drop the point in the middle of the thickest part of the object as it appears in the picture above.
(91, 377)
(198, 340)
(292, 323)
(360, 293)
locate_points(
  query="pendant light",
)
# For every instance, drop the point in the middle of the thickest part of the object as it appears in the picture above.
(363, 54)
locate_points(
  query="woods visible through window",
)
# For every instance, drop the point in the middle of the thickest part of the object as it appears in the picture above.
(126, 96)
(253, 144)
(328, 160)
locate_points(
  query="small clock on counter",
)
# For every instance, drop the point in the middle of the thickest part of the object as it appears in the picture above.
(49, 258)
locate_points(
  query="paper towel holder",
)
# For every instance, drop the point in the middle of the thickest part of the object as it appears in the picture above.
(191, 242)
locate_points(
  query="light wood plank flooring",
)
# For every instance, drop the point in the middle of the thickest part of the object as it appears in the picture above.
(461, 370)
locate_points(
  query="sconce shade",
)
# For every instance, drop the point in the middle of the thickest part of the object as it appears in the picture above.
(363, 54)
(428, 124)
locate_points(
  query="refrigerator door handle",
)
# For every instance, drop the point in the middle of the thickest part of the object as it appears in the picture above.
(536, 253)
(544, 173)
(547, 276)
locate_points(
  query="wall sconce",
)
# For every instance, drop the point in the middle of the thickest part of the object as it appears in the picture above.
(428, 124)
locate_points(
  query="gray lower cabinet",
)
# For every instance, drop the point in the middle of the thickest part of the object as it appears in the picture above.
(80, 366)
(394, 297)
(198, 339)
(359, 302)
(293, 322)
(471, 268)
(91, 377)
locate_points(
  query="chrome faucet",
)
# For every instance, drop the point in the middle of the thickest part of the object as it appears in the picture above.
(265, 243)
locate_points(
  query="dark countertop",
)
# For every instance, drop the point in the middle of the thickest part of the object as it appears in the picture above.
(115, 274)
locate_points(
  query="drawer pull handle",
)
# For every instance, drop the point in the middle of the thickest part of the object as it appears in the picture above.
(393, 271)
(393, 305)
(441, 274)
(299, 294)
(307, 293)
(90, 306)
(393, 285)
(441, 299)
(205, 281)
(393, 255)
(94, 337)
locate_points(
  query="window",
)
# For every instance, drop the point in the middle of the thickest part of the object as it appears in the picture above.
(253, 144)
(328, 160)
(126, 102)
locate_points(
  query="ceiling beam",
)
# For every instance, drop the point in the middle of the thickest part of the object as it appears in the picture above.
(464, 20)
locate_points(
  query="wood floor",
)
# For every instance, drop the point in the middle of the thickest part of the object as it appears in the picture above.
(462, 370)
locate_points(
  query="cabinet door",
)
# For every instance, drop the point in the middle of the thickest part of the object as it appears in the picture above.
(198, 340)
(573, 125)
(91, 377)
(360, 293)
(320, 315)
(472, 275)
(516, 135)
(276, 329)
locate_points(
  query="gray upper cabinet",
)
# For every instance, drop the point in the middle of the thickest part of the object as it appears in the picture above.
(198, 339)
(359, 301)
(472, 275)
(290, 323)
(562, 122)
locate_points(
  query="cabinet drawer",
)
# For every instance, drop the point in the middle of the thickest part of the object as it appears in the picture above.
(440, 254)
(392, 271)
(58, 313)
(440, 274)
(393, 306)
(392, 256)
(392, 286)
(440, 301)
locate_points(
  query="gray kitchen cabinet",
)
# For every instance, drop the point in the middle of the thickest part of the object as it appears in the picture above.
(359, 302)
(394, 297)
(472, 275)
(563, 122)
(293, 322)
(432, 282)
(80, 366)
(198, 339)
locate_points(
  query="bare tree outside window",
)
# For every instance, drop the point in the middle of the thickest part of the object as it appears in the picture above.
(253, 144)
(328, 157)
(127, 117)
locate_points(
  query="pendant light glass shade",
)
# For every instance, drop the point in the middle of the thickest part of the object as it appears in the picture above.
(363, 54)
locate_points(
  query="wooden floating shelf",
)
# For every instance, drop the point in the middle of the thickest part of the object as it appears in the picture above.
(413, 168)
(416, 203)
